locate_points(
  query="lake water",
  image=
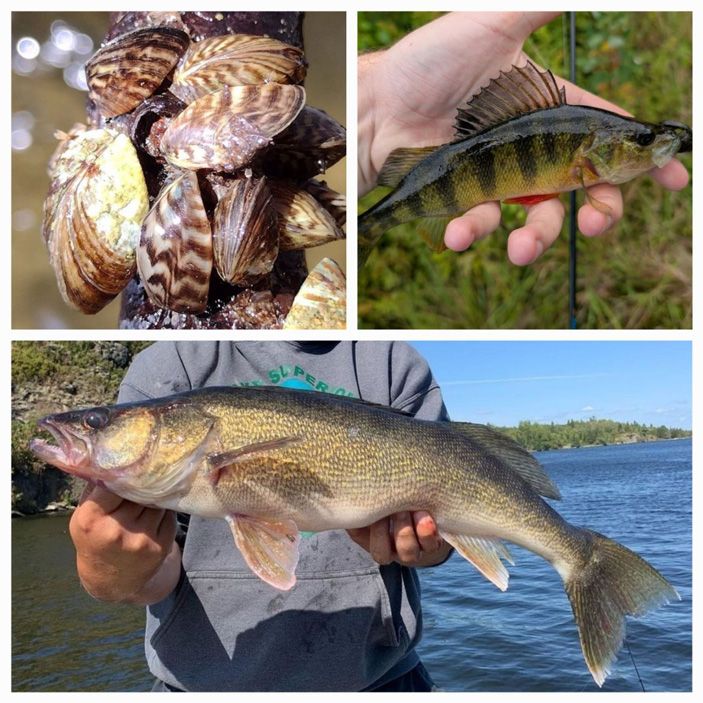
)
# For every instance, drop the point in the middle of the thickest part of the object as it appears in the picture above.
(476, 638)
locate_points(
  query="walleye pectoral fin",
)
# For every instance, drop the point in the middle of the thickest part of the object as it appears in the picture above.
(269, 547)
(400, 162)
(528, 200)
(432, 229)
(485, 554)
(219, 463)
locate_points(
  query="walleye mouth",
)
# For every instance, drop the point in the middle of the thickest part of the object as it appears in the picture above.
(71, 453)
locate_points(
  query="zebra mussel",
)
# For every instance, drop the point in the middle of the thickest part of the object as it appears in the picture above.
(196, 172)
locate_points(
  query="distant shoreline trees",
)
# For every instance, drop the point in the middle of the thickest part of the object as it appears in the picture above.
(581, 433)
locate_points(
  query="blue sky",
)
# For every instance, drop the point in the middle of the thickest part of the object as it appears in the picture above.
(505, 382)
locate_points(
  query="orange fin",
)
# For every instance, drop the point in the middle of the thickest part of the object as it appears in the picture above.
(218, 463)
(528, 200)
(485, 554)
(269, 547)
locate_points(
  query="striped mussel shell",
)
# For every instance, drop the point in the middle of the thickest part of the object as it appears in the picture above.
(245, 234)
(174, 258)
(92, 216)
(224, 130)
(235, 59)
(335, 203)
(129, 69)
(303, 221)
(312, 143)
(321, 301)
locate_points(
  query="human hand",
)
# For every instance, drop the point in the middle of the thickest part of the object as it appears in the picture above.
(408, 96)
(125, 552)
(411, 539)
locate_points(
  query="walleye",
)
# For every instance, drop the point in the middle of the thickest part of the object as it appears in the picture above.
(273, 462)
(517, 140)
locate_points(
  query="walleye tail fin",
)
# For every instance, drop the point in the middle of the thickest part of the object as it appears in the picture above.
(614, 582)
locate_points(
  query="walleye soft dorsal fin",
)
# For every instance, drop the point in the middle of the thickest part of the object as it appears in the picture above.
(400, 162)
(269, 547)
(521, 90)
(511, 454)
(485, 554)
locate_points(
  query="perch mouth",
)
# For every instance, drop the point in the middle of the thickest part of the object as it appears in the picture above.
(71, 453)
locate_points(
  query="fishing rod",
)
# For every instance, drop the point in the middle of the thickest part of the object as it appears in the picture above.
(572, 194)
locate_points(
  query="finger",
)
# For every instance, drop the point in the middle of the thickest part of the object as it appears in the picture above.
(360, 535)
(426, 531)
(380, 544)
(542, 227)
(673, 176)
(167, 528)
(594, 221)
(101, 500)
(475, 224)
(406, 545)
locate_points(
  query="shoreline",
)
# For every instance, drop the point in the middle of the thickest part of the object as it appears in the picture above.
(641, 440)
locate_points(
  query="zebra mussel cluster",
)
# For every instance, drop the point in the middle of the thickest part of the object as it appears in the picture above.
(196, 171)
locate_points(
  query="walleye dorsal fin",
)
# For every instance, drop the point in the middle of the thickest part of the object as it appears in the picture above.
(521, 90)
(400, 162)
(485, 554)
(511, 454)
(269, 547)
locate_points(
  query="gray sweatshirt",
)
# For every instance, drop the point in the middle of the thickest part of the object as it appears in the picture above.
(348, 624)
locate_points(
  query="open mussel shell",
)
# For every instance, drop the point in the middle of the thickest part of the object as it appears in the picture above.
(175, 250)
(224, 130)
(321, 301)
(303, 221)
(92, 216)
(130, 68)
(245, 235)
(235, 59)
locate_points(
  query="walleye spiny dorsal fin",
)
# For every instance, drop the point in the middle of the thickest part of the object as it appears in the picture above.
(512, 455)
(400, 162)
(485, 554)
(521, 90)
(269, 547)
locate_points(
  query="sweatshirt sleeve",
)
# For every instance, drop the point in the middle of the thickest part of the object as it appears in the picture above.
(413, 387)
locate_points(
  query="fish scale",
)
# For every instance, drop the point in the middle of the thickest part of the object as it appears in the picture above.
(275, 461)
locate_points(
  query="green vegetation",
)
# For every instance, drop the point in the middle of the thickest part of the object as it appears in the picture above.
(50, 377)
(582, 433)
(637, 276)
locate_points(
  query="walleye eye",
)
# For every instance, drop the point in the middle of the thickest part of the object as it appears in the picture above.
(646, 138)
(95, 419)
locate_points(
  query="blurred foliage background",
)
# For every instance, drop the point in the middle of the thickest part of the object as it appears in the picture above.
(636, 276)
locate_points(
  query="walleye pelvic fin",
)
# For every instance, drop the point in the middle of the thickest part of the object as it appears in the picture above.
(219, 463)
(269, 547)
(511, 454)
(485, 554)
(528, 200)
(519, 91)
(400, 162)
(613, 582)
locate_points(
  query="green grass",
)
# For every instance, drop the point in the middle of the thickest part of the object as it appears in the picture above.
(637, 276)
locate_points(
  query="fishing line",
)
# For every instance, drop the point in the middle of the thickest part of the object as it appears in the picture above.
(637, 671)
(572, 194)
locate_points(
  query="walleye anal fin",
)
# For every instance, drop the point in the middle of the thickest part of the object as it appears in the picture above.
(511, 454)
(528, 200)
(221, 462)
(400, 162)
(485, 554)
(269, 547)
(432, 229)
(519, 91)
